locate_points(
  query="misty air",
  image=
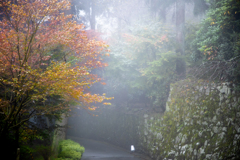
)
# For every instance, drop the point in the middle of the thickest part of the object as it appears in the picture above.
(120, 79)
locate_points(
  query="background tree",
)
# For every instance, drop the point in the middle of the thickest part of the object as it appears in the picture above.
(92, 9)
(217, 42)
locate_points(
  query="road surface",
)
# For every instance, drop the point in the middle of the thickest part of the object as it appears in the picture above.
(95, 150)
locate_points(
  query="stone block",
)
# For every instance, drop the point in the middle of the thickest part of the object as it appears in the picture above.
(215, 129)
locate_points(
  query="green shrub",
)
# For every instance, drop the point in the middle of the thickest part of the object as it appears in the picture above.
(70, 150)
(63, 159)
(68, 153)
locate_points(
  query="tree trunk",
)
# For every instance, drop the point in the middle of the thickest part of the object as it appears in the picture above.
(162, 14)
(119, 28)
(17, 146)
(92, 15)
(180, 23)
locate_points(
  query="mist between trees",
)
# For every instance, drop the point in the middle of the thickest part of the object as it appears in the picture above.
(58, 56)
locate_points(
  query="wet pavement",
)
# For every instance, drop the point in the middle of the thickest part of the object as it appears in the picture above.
(95, 150)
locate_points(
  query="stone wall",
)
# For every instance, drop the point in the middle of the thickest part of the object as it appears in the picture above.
(200, 121)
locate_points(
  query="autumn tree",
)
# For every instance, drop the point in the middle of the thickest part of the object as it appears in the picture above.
(30, 73)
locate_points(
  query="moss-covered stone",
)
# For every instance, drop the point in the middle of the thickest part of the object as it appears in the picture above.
(201, 123)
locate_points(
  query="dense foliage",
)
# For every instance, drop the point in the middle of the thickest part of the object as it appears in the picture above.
(217, 42)
(144, 64)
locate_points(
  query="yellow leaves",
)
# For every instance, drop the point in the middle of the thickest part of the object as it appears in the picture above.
(107, 103)
(212, 23)
(109, 98)
(227, 12)
(92, 108)
(60, 79)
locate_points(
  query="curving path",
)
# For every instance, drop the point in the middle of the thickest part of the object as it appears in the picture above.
(95, 150)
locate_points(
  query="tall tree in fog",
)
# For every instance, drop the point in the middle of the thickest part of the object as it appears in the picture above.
(199, 6)
(159, 8)
(92, 8)
(180, 23)
(92, 14)
(125, 12)
(88, 6)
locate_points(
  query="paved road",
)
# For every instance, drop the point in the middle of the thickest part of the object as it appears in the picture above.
(95, 150)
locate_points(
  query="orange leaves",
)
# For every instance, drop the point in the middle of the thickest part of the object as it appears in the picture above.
(30, 31)
(45, 58)
(164, 38)
(210, 52)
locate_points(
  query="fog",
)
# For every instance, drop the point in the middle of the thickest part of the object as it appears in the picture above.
(171, 75)
(120, 79)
